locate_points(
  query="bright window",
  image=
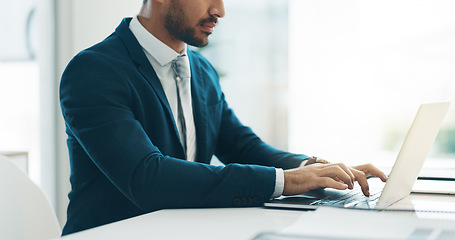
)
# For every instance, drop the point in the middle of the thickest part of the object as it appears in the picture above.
(359, 71)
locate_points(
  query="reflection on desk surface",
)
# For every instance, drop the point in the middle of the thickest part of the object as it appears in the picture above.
(417, 234)
(336, 223)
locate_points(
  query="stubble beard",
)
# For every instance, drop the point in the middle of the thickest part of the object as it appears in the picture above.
(175, 20)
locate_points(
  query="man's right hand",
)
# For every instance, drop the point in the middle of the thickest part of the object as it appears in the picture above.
(337, 176)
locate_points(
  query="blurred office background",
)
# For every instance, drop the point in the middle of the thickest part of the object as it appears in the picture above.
(337, 79)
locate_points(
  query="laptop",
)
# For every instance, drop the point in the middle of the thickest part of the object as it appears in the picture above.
(403, 175)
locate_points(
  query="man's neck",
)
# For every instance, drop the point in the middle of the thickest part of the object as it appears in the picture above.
(156, 28)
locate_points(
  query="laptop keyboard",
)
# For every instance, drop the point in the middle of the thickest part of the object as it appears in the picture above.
(353, 199)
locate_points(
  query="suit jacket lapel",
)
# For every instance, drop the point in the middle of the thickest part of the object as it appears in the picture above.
(144, 66)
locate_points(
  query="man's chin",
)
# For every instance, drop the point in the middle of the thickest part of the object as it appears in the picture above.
(205, 43)
(198, 42)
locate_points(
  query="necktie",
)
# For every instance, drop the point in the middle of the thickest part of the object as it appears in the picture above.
(185, 124)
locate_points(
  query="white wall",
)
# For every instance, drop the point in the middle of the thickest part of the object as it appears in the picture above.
(80, 24)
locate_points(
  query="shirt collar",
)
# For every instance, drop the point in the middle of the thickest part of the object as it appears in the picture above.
(161, 52)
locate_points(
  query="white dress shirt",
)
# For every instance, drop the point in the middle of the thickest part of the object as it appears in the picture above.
(160, 56)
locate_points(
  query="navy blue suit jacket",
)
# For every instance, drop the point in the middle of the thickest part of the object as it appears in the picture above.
(125, 154)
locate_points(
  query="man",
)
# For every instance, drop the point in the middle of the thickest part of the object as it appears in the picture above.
(139, 142)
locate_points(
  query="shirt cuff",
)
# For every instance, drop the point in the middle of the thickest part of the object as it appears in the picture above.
(279, 183)
(303, 163)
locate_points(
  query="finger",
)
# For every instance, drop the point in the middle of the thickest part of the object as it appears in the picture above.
(348, 171)
(361, 178)
(328, 182)
(372, 171)
(334, 171)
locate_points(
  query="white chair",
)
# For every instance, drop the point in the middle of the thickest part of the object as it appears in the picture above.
(25, 212)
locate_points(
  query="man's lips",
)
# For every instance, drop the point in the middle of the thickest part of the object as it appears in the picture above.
(208, 26)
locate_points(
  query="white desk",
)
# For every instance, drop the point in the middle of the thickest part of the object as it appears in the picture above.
(226, 223)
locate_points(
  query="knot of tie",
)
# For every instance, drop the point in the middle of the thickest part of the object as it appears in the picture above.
(180, 65)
